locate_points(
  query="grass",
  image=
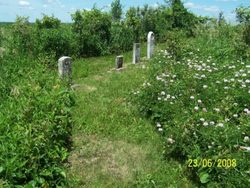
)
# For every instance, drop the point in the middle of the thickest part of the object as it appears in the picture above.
(114, 146)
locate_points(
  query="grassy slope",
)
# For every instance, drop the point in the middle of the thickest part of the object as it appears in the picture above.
(113, 146)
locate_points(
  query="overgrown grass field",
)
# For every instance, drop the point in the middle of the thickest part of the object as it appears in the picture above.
(180, 119)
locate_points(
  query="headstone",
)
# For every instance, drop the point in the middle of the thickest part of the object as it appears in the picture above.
(65, 68)
(136, 53)
(151, 44)
(119, 61)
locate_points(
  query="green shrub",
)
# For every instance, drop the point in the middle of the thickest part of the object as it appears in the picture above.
(51, 38)
(35, 124)
(1, 37)
(175, 42)
(48, 22)
(21, 32)
(56, 42)
(121, 38)
(200, 104)
(243, 16)
(92, 32)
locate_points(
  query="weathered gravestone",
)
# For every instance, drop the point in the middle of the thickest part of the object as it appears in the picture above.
(136, 53)
(151, 44)
(65, 68)
(119, 62)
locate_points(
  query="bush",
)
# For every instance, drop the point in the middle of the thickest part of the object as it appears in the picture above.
(175, 42)
(92, 32)
(1, 37)
(55, 42)
(243, 16)
(35, 124)
(48, 22)
(121, 38)
(51, 38)
(21, 33)
(200, 105)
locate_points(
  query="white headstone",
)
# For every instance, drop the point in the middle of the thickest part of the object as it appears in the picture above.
(65, 68)
(119, 62)
(150, 44)
(136, 53)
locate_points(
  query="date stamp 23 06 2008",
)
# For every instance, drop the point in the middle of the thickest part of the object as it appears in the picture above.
(208, 163)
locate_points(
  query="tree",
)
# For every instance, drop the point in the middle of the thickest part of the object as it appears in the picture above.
(133, 21)
(116, 10)
(221, 19)
(181, 17)
(92, 31)
(243, 16)
(48, 22)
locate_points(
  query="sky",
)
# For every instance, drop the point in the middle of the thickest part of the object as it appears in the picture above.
(63, 9)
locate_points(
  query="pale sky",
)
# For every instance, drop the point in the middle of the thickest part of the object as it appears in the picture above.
(62, 9)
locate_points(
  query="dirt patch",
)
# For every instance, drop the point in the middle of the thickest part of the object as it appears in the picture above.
(93, 158)
(84, 87)
(98, 78)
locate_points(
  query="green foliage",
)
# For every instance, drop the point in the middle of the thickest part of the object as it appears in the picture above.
(46, 37)
(221, 19)
(200, 102)
(92, 30)
(157, 20)
(35, 124)
(243, 16)
(21, 31)
(51, 38)
(48, 22)
(182, 19)
(56, 42)
(1, 37)
(116, 10)
(121, 38)
(175, 43)
(133, 21)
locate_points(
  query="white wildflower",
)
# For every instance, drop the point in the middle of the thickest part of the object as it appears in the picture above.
(212, 123)
(246, 139)
(202, 119)
(158, 125)
(217, 109)
(205, 123)
(205, 86)
(220, 125)
(204, 109)
(235, 115)
(158, 78)
(170, 140)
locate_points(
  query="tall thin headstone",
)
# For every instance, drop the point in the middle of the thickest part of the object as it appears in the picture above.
(150, 44)
(65, 68)
(119, 61)
(136, 53)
